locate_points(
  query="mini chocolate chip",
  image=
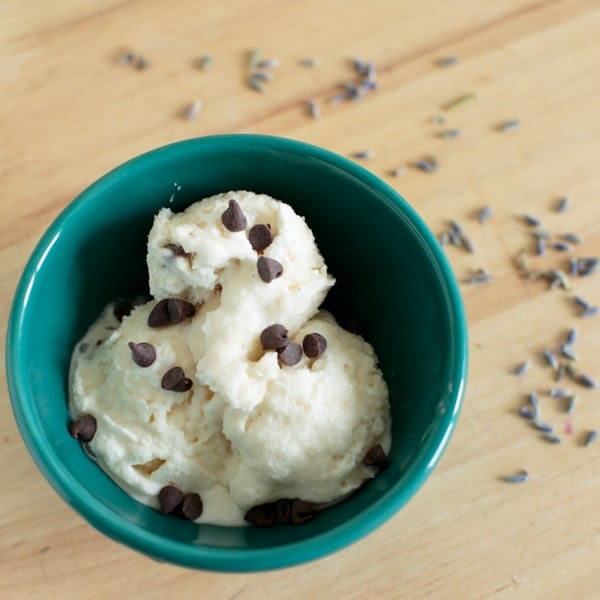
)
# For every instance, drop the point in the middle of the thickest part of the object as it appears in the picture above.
(122, 309)
(179, 310)
(159, 315)
(84, 428)
(169, 498)
(314, 344)
(274, 337)
(262, 515)
(283, 510)
(302, 512)
(174, 380)
(268, 268)
(191, 506)
(260, 237)
(291, 354)
(233, 218)
(170, 311)
(376, 457)
(143, 354)
(177, 250)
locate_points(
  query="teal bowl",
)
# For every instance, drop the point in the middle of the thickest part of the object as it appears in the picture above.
(392, 278)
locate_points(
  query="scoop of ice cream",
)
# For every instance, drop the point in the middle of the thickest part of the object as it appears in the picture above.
(187, 392)
(147, 436)
(312, 424)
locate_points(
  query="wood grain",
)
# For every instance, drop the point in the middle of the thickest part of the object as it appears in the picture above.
(69, 112)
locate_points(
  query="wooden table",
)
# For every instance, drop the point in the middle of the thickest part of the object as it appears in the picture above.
(70, 111)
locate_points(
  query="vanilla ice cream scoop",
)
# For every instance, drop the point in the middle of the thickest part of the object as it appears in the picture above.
(231, 384)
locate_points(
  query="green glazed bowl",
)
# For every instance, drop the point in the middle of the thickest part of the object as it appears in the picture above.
(391, 276)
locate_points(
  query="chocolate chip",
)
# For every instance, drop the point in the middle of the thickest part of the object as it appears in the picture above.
(314, 344)
(376, 457)
(302, 512)
(283, 511)
(191, 506)
(159, 315)
(179, 310)
(174, 380)
(268, 268)
(170, 311)
(177, 250)
(262, 515)
(260, 237)
(274, 337)
(122, 309)
(291, 354)
(233, 218)
(169, 498)
(84, 428)
(143, 354)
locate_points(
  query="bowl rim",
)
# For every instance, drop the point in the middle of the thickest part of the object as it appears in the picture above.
(215, 558)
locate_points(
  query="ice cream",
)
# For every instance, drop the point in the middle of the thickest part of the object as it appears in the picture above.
(230, 383)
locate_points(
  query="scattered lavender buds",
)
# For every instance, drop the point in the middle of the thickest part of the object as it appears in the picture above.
(552, 438)
(510, 125)
(363, 154)
(485, 214)
(427, 165)
(205, 62)
(540, 246)
(531, 220)
(398, 172)
(518, 477)
(254, 58)
(591, 437)
(533, 401)
(541, 426)
(256, 85)
(460, 100)
(522, 368)
(447, 61)
(570, 407)
(586, 381)
(135, 60)
(567, 352)
(551, 359)
(585, 266)
(449, 134)
(480, 276)
(310, 62)
(193, 110)
(559, 393)
(571, 336)
(313, 109)
(572, 238)
(561, 246)
(590, 311)
(563, 204)
(527, 413)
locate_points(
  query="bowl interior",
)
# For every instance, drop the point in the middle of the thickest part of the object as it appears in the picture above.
(392, 280)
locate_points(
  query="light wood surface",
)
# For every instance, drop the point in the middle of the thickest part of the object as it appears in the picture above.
(69, 112)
